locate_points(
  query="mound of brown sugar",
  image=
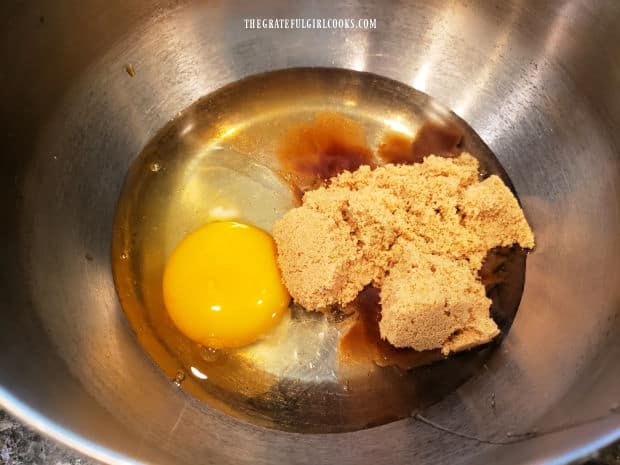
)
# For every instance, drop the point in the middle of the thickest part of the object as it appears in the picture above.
(417, 232)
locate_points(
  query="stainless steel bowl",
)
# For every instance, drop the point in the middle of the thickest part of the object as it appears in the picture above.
(537, 80)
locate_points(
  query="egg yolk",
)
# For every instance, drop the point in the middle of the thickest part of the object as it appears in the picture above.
(222, 285)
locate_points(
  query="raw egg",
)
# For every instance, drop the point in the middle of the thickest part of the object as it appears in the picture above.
(222, 285)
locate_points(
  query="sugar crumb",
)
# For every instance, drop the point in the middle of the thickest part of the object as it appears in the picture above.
(417, 232)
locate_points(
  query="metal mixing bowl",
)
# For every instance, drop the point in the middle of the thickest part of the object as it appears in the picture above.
(537, 80)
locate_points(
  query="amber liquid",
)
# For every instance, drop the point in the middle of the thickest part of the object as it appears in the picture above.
(312, 153)
(248, 152)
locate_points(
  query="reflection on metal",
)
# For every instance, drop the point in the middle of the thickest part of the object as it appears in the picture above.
(548, 106)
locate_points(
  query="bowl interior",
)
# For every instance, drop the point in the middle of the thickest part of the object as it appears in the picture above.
(536, 81)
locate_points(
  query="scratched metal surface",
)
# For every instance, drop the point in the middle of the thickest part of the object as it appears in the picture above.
(20, 445)
(536, 80)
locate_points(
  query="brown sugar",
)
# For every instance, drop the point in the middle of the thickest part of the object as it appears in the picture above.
(419, 233)
(318, 266)
(362, 342)
(427, 298)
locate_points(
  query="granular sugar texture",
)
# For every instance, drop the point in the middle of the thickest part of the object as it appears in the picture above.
(419, 233)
